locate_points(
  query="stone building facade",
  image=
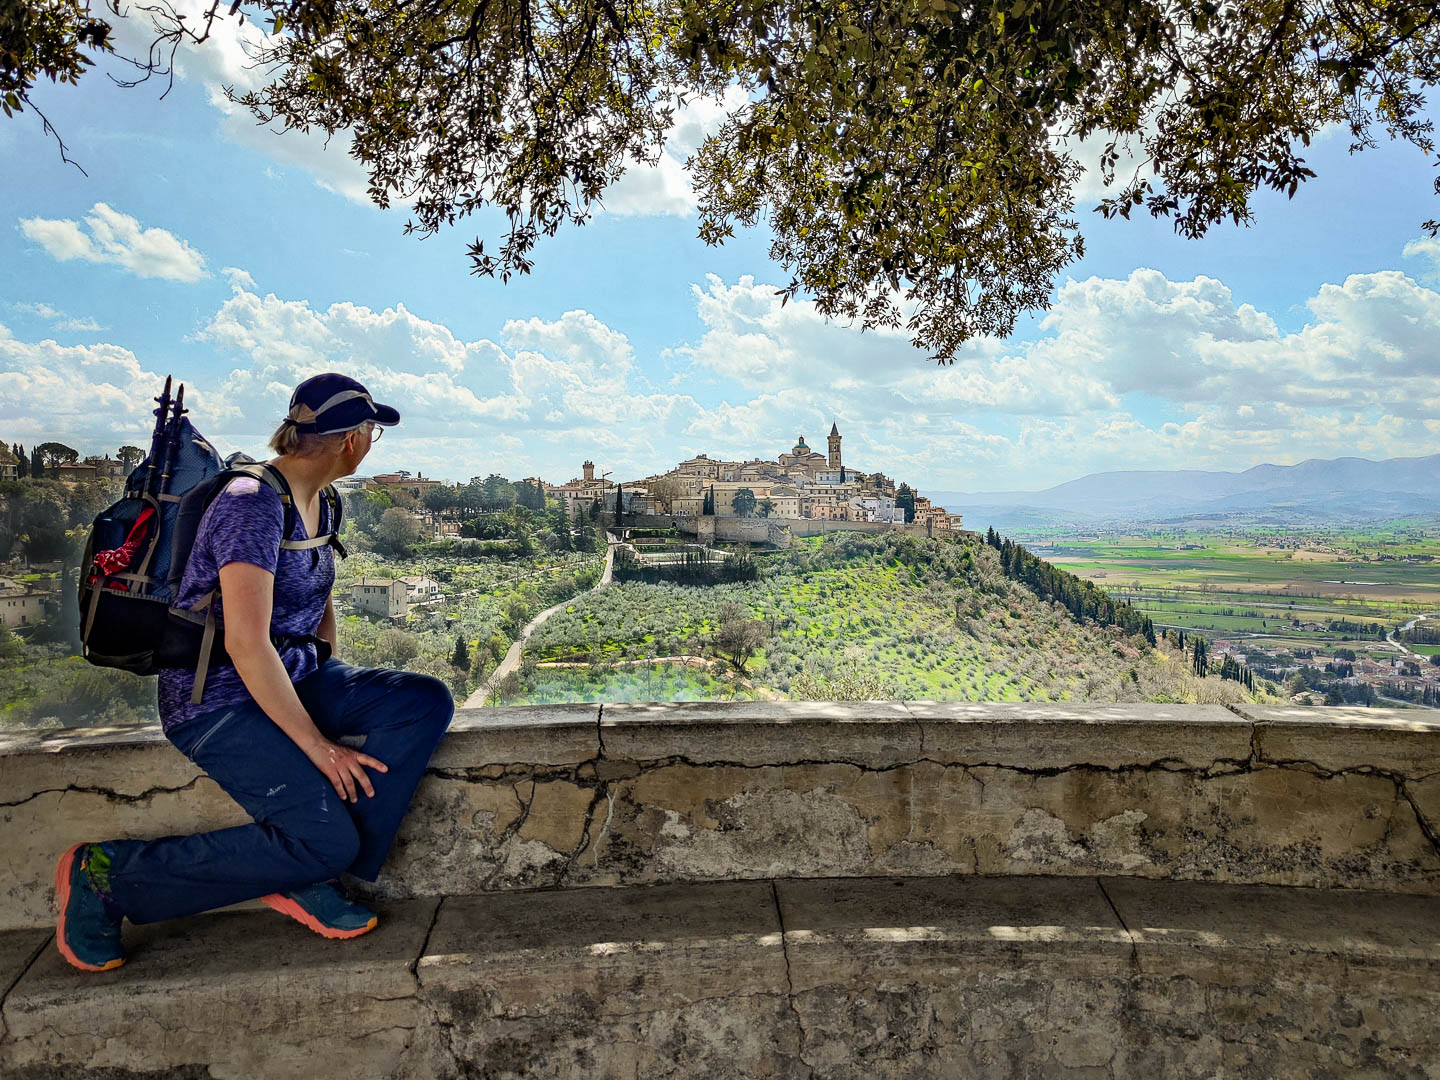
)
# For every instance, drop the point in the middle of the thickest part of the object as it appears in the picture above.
(798, 484)
(386, 597)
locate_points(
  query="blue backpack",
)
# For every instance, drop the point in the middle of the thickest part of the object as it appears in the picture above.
(138, 547)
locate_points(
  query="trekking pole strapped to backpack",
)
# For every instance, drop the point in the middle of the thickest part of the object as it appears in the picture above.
(157, 444)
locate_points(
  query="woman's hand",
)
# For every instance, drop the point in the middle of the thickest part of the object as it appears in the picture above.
(345, 768)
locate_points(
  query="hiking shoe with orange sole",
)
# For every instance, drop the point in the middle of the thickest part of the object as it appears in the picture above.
(324, 909)
(88, 932)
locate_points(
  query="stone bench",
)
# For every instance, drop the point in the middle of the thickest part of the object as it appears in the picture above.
(828, 978)
(523, 798)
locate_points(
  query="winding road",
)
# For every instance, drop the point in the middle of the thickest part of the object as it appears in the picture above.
(511, 662)
(1394, 642)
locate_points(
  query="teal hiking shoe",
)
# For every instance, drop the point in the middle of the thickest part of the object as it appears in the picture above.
(324, 909)
(88, 933)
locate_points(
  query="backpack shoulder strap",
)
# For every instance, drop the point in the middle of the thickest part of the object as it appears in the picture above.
(275, 480)
(337, 515)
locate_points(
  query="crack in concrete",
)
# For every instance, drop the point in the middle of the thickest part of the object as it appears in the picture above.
(1324, 772)
(600, 729)
(24, 970)
(919, 727)
(1426, 827)
(789, 982)
(511, 831)
(1134, 946)
(444, 1031)
(1220, 766)
(107, 793)
(425, 945)
(602, 791)
(1254, 732)
(605, 828)
(1217, 767)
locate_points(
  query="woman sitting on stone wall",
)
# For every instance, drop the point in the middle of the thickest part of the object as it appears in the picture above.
(288, 732)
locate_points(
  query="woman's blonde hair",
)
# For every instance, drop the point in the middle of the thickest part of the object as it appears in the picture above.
(289, 442)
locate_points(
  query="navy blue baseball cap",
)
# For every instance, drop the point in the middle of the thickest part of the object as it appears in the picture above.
(331, 403)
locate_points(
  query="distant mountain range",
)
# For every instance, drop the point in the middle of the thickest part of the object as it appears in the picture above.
(1337, 491)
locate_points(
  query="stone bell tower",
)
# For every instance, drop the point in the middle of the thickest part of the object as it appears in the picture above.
(834, 446)
(589, 470)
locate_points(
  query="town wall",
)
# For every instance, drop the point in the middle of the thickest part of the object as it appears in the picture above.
(751, 529)
(761, 530)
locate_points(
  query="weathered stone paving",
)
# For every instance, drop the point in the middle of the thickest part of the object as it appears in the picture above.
(833, 978)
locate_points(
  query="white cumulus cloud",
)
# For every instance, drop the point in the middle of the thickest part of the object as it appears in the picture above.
(110, 237)
(538, 397)
(87, 396)
(1133, 372)
(662, 188)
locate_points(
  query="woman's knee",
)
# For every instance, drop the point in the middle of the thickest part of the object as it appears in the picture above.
(432, 702)
(330, 849)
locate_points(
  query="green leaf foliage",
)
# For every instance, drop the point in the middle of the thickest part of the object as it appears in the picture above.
(914, 161)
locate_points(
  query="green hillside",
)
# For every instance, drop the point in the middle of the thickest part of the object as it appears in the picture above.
(854, 615)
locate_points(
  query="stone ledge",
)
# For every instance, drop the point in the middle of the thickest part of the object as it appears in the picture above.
(646, 794)
(1398, 741)
(822, 978)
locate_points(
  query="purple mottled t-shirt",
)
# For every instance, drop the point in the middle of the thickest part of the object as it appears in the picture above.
(245, 524)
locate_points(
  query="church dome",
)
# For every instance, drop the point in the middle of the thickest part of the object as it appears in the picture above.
(800, 447)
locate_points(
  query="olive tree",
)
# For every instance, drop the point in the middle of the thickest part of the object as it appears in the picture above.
(397, 532)
(737, 638)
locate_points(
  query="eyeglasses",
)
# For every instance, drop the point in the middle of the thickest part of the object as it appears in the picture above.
(373, 434)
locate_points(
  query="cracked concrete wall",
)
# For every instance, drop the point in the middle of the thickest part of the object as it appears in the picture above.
(653, 793)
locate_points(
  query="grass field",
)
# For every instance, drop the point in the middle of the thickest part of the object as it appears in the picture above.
(1275, 590)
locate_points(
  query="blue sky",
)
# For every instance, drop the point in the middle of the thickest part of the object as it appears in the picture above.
(242, 261)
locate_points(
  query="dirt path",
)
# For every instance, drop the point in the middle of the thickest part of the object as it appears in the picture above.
(765, 692)
(517, 647)
(689, 661)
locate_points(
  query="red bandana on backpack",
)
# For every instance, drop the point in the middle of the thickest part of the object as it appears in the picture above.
(105, 563)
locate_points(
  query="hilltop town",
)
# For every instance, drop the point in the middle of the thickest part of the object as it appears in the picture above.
(797, 485)
(787, 493)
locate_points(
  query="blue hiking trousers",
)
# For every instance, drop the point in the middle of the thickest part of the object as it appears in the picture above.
(303, 831)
